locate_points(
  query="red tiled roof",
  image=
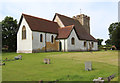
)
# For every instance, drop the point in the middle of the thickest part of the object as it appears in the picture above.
(40, 24)
(64, 32)
(80, 31)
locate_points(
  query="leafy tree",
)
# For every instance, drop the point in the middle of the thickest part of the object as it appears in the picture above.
(111, 28)
(108, 42)
(116, 36)
(9, 33)
(100, 41)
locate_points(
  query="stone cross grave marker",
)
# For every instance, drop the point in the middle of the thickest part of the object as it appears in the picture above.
(88, 65)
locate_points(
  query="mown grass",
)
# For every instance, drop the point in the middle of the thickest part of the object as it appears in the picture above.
(65, 66)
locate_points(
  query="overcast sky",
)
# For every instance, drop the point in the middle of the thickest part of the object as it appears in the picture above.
(102, 12)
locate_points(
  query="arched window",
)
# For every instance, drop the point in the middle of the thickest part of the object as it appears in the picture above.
(23, 32)
(85, 44)
(72, 41)
(52, 39)
(41, 38)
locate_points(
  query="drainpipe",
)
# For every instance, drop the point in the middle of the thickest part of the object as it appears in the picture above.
(64, 45)
(45, 42)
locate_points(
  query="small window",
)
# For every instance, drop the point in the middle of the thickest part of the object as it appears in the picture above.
(41, 38)
(92, 44)
(52, 39)
(72, 41)
(23, 32)
(85, 44)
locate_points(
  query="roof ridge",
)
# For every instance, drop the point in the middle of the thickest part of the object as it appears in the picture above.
(63, 15)
(39, 18)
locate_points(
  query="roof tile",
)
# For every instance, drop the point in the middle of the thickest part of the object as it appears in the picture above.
(39, 24)
(80, 31)
(64, 32)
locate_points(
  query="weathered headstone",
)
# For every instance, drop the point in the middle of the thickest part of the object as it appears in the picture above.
(110, 77)
(20, 57)
(2, 64)
(45, 61)
(99, 80)
(16, 57)
(88, 66)
(48, 61)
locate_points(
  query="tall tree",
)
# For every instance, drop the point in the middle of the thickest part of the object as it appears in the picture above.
(108, 42)
(100, 41)
(116, 36)
(9, 33)
(111, 28)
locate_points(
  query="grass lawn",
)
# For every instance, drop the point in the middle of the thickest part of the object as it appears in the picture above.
(65, 66)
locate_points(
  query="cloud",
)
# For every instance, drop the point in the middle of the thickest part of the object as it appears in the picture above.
(59, 0)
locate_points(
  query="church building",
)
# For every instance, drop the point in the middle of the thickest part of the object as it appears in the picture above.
(63, 33)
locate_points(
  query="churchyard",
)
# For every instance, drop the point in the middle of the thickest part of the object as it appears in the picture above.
(63, 66)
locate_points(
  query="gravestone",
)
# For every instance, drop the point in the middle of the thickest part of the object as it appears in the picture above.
(16, 57)
(48, 61)
(2, 64)
(20, 57)
(110, 77)
(88, 66)
(99, 80)
(45, 61)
